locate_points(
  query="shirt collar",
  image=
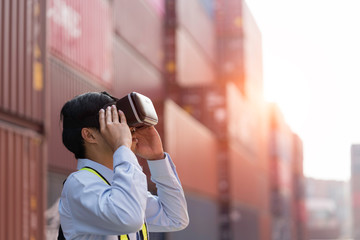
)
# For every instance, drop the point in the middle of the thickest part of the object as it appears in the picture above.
(106, 172)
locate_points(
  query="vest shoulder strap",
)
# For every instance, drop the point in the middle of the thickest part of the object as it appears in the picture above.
(96, 173)
(143, 231)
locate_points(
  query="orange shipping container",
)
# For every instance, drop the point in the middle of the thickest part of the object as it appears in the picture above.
(194, 150)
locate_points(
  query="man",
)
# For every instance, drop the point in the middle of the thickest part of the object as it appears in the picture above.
(107, 197)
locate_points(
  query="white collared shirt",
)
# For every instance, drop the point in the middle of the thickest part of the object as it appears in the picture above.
(91, 209)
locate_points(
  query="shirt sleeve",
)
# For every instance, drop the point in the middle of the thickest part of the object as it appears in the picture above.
(97, 208)
(168, 210)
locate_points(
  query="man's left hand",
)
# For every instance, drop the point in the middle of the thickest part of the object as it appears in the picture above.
(147, 144)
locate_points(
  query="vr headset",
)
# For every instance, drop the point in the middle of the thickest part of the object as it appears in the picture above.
(138, 109)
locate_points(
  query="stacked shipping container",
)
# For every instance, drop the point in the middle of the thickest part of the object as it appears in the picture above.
(22, 124)
(355, 189)
(194, 72)
(137, 47)
(72, 60)
(22, 169)
(197, 166)
(247, 124)
(199, 64)
(22, 62)
(249, 167)
(286, 180)
(97, 47)
(327, 198)
(299, 196)
(79, 60)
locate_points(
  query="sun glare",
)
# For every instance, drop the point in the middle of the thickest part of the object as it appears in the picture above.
(286, 85)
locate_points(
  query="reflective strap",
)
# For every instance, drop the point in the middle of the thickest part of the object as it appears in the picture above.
(143, 232)
(96, 173)
(125, 236)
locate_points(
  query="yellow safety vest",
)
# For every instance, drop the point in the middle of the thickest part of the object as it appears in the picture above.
(143, 232)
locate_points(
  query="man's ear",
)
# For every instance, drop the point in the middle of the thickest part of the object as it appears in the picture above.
(88, 135)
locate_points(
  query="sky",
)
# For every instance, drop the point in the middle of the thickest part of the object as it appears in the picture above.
(311, 58)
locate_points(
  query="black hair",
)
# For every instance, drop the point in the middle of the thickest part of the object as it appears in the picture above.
(79, 112)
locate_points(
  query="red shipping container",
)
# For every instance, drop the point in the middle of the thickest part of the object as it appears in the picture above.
(81, 34)
(298, 156)
(245, 125)
(265, 226)
(209, 6)
(133, 74)
(249, 182)
(22, 57)
(193, 68)
(22, 184)
(356, 200)
(137, 22)
(285, 177)
(193, 18)
(230, 16)
(253, 67)
(193, 149)
(158, 5)
(66, 83)
(230, 42)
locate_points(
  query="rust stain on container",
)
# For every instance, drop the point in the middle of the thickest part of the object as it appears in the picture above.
(38, 84)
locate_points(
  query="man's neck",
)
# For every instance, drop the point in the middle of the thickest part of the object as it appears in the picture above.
(101, 158)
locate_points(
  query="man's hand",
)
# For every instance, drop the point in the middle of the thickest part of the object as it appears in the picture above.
(148, 144)
(114, 132)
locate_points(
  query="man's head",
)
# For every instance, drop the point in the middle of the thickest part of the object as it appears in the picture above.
(80, 117)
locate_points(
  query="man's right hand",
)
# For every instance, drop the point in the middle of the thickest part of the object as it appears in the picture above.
(115, 132)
